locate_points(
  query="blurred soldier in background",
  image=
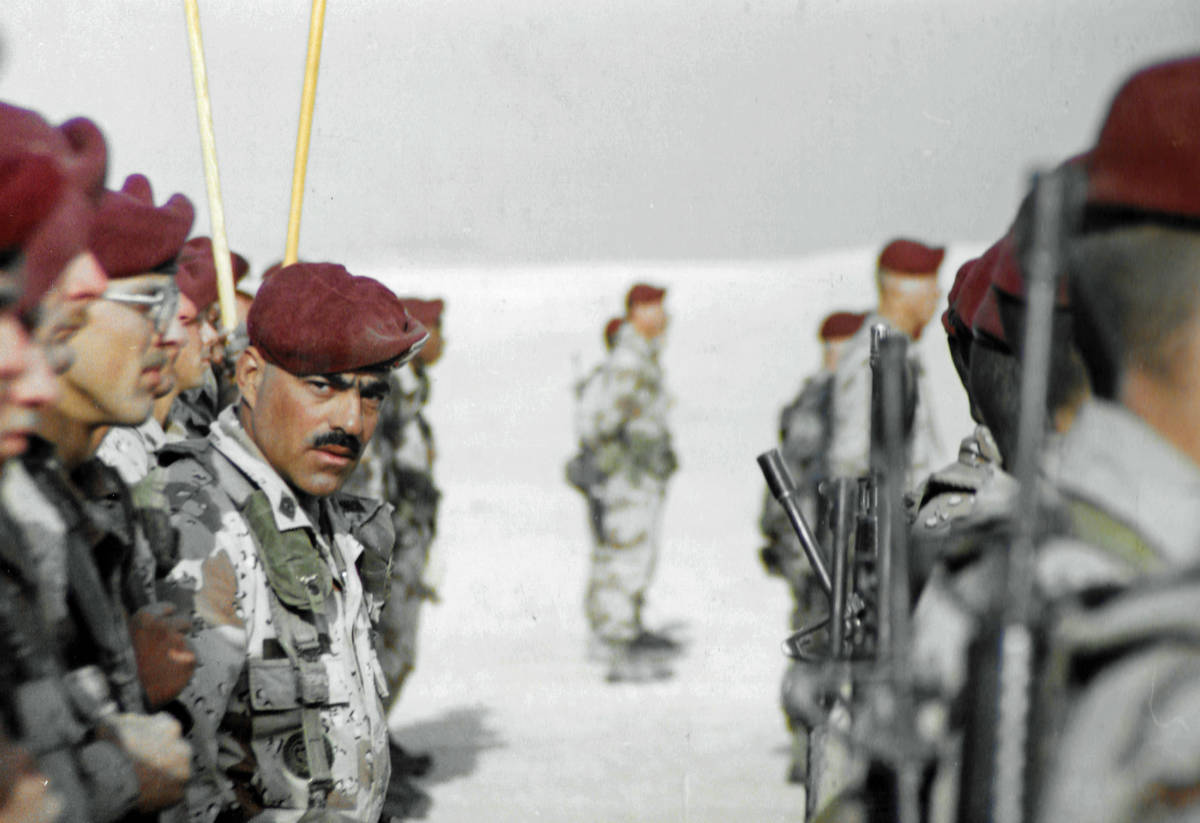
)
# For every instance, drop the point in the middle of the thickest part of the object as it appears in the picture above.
(907, 280)
(75, 556)
(625, 461)
(38, 237)
(397, 466)
(124, 221)
(805, 429)
(287, 575)
(198, 402)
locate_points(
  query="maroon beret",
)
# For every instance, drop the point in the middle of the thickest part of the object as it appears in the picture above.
(1147, 156)
(961, 295)
(133, 236)
(196, 271)
(426, 312)
(911, 257)
(30, 186)
(840, 325)
(48, 179)
(610, 331)
(985, 322)
(644, 293)
(317, 318)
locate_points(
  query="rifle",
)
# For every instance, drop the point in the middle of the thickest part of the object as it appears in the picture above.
(868, 589)
(996, 780)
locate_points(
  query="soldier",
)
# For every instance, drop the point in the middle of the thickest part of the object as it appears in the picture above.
(397, 466)
(65, 556)
(197, 405)
(288, 576)
(804, 432)
(622, 424)
(906, 278)
(27, 385)
(129, 219)
(1122, 678)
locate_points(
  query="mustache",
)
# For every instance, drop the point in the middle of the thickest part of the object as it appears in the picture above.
(339, 438)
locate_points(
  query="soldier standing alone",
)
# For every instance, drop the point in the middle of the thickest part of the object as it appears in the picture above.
(623, 432)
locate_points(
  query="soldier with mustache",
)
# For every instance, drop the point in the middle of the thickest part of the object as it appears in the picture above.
(78, 676)
(287, 575)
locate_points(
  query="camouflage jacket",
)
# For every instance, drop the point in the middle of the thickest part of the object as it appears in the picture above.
(263, 578)
(77, 563)
(621, 414)
(93, 778)
(1120, 685)
(397, 464)
(194, 410)
(1127, 496)
(132, 450)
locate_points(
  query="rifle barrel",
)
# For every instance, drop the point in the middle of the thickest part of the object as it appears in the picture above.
(783, 488)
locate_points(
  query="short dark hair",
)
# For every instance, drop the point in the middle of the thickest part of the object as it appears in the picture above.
(1133, 288)
(995, 389)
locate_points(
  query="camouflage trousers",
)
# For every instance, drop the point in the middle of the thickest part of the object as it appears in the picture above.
(625, 516)
(400, 618)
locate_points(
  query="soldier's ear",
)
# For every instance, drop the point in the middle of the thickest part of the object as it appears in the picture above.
(251, 368)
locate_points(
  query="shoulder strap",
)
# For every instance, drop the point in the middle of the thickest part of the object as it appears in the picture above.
(1094, 526)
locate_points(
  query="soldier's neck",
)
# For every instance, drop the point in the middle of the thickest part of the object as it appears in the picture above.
(162, 406)
(74, 441)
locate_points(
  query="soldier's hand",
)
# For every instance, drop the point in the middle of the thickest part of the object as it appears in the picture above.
(165, 661)
(25, 795)
(162, 759)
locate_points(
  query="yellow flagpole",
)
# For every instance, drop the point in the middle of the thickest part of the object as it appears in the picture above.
(316, 28)
(212, 179)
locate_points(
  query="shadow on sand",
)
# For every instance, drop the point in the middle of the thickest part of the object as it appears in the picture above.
(456, 739)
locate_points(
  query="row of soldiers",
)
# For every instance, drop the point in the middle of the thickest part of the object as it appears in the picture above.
(1045, 657)
(197, 622)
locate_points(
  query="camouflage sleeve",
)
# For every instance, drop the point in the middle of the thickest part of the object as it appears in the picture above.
(109, 780)
(1129, 749)
(124, 450)
(214, 572)
(620, 402)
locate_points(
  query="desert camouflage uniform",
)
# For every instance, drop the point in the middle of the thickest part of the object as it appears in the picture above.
(397, 466)
(282, 624)
(623, 420)
(132, 450)
(194, 410)
(1121, 682)
(71, 568)
(849, 450)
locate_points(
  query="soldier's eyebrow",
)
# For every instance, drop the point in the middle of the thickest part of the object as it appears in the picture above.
(375, 390)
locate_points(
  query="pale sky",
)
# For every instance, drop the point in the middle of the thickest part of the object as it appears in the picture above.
(563, 130)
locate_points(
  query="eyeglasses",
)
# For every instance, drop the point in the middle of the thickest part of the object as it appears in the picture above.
(160, 304)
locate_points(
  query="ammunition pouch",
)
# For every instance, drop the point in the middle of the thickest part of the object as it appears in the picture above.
(584, 471)
(288, 694)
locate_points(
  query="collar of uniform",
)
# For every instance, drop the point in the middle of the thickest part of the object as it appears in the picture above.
(629, 339)
(230, 439)
(152, 432)
(1111, 458)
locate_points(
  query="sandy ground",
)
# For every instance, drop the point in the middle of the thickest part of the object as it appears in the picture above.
(521, 725)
